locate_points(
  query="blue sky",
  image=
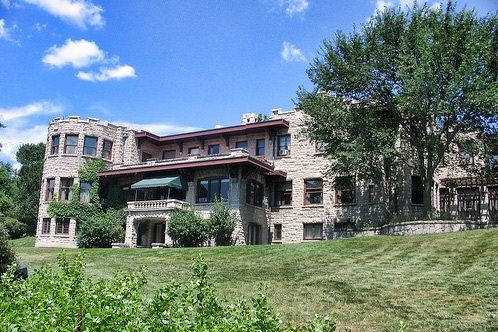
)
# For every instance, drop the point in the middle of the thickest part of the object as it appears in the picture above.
(164, 66)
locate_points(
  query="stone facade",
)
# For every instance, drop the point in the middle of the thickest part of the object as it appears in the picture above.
(277, 183)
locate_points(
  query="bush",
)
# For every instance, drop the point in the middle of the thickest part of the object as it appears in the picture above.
(102, 230)
(188, 229)
(7, 255)
(15, 229)
(222, 223)
(68, 301)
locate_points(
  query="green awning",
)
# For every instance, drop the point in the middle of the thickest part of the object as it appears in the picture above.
(172, 182)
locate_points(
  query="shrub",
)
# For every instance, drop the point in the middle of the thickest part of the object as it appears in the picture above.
(7, 255)
(15, 229)
(222, 223)
(188, 229)
(102, 230)
(68, 301)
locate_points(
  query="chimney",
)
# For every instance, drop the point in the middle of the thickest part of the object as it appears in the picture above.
(249, 118)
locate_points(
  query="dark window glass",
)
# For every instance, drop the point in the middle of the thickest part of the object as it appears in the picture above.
(283, 193)
(417, 190)
(345, 190)
(62, 226)
(283, 145)
(210, 190)
(90, 146)
(71, 144)
(277, 232)
(241, 145)
(313, 191)
(469, 203)
(49, 194)
(260, 147)
(107, 149)
(214, 149)
(193, 151)
(254, 193)
(146, 156)
(169, 154)
(85, 188)
(65, 190)
(46, 225)
(313, 231)
(54, 149)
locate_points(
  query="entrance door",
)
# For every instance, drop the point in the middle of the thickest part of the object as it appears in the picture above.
(254, 234)
(159, 233)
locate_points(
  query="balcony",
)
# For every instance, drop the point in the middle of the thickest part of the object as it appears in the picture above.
(157, 205)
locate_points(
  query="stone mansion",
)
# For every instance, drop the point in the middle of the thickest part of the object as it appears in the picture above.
(270, 175)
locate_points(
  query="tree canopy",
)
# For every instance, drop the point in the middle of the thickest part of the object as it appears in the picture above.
(400, 92)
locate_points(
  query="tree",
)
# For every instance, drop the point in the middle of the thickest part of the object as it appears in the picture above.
(7, 255)
(30, 156)
(8, 192)
(401, 91)
(222, 223)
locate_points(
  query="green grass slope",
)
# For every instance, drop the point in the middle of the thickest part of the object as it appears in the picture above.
(440, 282)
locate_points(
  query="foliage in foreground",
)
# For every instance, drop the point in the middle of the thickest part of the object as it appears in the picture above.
(69, 301)
(7, 255)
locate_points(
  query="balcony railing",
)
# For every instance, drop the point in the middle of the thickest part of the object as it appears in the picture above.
(168, 204)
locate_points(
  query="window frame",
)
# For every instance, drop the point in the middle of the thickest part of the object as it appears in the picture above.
(54, 149)
(258, 151)
(190, 149)
(254, 193)
(286, 146)
(62, 226)
(245, 143)
(65, 192)
(72, 146)
(144, 155)
(212, 146)
(314, 231)
(50, 190)
(92, 148)
(280, 192)
(339, 189)
(89, 191)
(277, 232)
(210, 194)
(105, 150)
(312, 191)
(46, 221)
(168, 151)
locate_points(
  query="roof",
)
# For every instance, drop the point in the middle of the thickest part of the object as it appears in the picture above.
(213, 133)
(193, 164)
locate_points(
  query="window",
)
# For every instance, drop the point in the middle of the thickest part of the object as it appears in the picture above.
(319, 147)
(277, 232)
(241, 145)
(254, 193)
(65, 190)
(345, 190)
(445, 199)
(214, 149)
(54, 149)
(193, 151)
(49, 194)
(146, 156)
(466, 153)
(85, 188)
(107, 149)
(62, 226)
(210, 190)
(90, 146)
(371, 193)
(46, 225)
(260, 147)
(283, 145)
(71, 144)
(283, 193)
(469, 203)
(417, 190)
(169, 154)
(313, 231)
(313, 191)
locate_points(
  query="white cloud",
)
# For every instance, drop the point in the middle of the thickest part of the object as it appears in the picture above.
(4, 32)
(23, 126)
(39, 26)
(78, 53)
(105, 74)
(79, 12)
(160, 128)
(436, 6)
(6, 3)
(293, 7)
(41, 107)
(380, 5)
(290, 53)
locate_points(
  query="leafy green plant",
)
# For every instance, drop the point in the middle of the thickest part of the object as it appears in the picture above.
(222, 223)
(188, 229)
(15, 229)
(7, 255)
(102, 230)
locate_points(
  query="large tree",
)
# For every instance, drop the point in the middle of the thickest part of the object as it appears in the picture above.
(401, 91)
(30, 156)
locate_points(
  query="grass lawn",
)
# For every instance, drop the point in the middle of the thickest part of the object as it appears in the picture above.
(440, 282)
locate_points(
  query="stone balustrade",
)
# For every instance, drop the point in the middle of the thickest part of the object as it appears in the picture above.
(168, 204)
